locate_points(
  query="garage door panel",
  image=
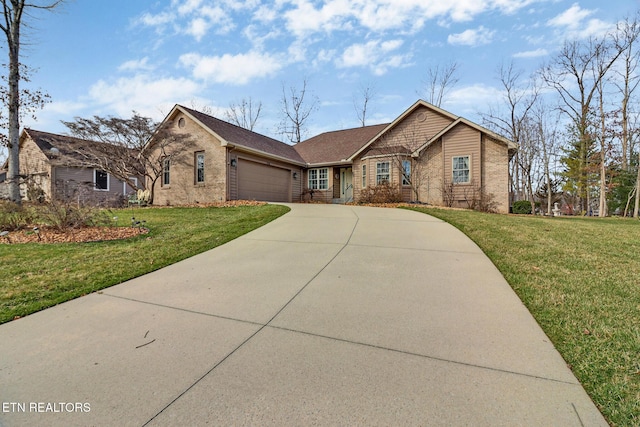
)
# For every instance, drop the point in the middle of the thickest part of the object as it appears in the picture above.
(257, 181)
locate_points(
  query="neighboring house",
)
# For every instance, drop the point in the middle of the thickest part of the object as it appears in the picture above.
(53, 167)
(429, 154)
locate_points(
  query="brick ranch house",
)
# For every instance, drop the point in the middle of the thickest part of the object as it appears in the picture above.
(429, 154)
(55, 169)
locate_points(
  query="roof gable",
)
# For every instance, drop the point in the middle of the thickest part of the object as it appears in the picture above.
(336, 146)
(461, 120)
(232, 135)
(63, 149)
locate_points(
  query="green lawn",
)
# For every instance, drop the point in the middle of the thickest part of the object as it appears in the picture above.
(580, 278)
(36, 276)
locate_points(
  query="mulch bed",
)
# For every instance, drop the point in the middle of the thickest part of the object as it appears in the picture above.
(85, 234)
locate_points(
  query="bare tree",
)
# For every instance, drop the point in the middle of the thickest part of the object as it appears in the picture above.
(203, 108)
(361, 101)
(244, 113)
(626, 41)
(14, 11)
(123, 147)
(546, 134)
(519, 97)
(297, 106)
(30, 102)
(439, 80)
(575, 74)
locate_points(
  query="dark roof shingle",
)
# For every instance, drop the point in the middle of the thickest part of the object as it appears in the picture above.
(66, 150)
(337, 145)
(243, 137)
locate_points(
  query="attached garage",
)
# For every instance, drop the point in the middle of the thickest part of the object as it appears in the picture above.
(258, 181)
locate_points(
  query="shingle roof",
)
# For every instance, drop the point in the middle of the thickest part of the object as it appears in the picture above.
(245, 138)
(388, 150)
(338, 145)
(63, 149)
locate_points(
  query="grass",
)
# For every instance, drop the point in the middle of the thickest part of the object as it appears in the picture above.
(36, 276)
(580, 278)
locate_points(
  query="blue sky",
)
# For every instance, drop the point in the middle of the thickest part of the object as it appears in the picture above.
(112, 57)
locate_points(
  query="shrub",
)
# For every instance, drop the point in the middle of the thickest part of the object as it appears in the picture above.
(62, 216)
(521, 207)
(14, 216)
(381, 193)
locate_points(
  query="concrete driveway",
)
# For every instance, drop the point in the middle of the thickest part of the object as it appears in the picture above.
(329, 315)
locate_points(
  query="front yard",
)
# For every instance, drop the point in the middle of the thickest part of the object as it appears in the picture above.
(35, 276)
(580, 278)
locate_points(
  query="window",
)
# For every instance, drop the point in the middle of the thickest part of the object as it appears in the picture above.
(100, 180)
(382, 173)
(200, 167)
(126, 188)
(166, 172)
(364, 176)
(318, 179)
(406, 172)
(461, 174)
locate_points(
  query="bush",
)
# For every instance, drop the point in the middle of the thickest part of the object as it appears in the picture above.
(381, 193)
(521, 207)
(60, 216)
(14, 216)
(63, 216)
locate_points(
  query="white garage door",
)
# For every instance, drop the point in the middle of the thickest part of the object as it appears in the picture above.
(257, 181)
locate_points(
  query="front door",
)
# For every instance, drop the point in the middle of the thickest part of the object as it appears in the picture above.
(346, 184)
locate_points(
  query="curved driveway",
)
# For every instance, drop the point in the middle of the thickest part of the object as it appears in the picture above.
(329, 315)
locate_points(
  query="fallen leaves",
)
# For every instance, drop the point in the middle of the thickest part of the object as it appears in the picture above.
(79, 235)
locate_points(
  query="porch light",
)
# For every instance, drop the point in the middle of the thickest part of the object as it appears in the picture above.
(234, 162)
(295, 175)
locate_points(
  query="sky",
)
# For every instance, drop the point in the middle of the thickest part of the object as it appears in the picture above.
(113, 57)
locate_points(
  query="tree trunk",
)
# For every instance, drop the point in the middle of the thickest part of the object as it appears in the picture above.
(13, 173)
(637, 204)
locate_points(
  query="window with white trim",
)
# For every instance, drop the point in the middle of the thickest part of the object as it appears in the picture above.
(406, 172)
(461, 170)
(364, 176)
(319, 179)
(199, 167)
(382, 173)
(127, 188)
(166, 172)
(100, 180)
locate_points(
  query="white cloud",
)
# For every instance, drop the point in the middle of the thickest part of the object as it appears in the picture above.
(477, 37)
(156, 20)
(237, 69)
(142, 93)
(136, 65)
(187, 7)
(570, 17)
(532, 53)
(468, 100)
(305, 17)
(375, 54)
(573, 23)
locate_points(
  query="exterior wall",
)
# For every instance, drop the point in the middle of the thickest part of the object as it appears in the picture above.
(416, 129)
(182, 188)
(35, 165)
(495, 173)
(462, 141)
(296, 180)
(428, 171)
(76, 185)
(322, 196)
(395, 175)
